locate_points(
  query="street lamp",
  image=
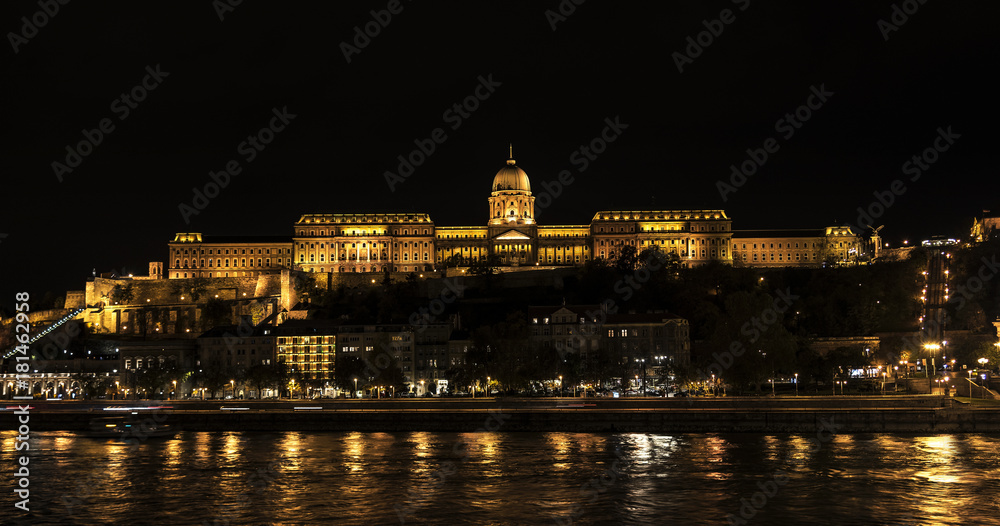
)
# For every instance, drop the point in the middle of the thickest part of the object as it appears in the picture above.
(422, 388)
(796, 384)
(175, 388)
(488, 379)
(355, 388)
(560, 385)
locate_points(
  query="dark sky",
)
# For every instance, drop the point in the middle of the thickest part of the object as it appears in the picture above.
(120, 206)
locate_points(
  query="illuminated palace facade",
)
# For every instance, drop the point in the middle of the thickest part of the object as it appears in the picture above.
(411, 242)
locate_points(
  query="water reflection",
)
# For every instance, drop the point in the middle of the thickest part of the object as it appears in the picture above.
(503, 478)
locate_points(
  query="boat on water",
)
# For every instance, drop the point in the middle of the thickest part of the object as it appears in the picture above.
(124, 428)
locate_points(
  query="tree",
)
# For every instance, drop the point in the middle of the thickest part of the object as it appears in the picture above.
(199, 286)
(214, 377)
(258, 377)
(391, 376)
(502, 351)
(487, 267)
(152, 378)
(347, 369)
(90, 385)
(304, 283)
(750, 331)
(122, 295)
(627, 260)
(455, 260)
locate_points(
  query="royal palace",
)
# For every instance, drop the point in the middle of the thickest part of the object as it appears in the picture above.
(411, 242)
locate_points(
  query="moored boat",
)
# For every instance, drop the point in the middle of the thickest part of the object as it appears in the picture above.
(124, 428)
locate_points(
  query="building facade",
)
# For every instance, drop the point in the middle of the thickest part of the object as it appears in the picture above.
(411, 242)
(195, 256)
(795, 248)
(660, 337)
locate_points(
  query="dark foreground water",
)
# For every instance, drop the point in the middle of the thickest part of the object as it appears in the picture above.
(507, 478)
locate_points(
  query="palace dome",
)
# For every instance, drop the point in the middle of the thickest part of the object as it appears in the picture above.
(511, 177)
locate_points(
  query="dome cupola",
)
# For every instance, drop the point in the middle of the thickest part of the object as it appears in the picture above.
(511, 177)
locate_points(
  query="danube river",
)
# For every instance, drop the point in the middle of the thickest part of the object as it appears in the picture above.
(508, 478)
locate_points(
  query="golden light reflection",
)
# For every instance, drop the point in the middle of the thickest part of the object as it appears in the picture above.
(354, 452)
(63, 442)
(716, 448)
(798, 451)
(560, 445)
(773, 448)
(421, 444)
(173, 451)
(590, 443)
(483, 444)
(231, 447)
(293, 443)
(201, 446)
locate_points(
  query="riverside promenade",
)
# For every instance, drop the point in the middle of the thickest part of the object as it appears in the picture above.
(805, 414)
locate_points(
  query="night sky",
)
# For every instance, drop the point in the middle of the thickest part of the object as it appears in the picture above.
(221, 80)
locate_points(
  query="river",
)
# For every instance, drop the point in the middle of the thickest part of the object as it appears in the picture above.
(508, 478)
